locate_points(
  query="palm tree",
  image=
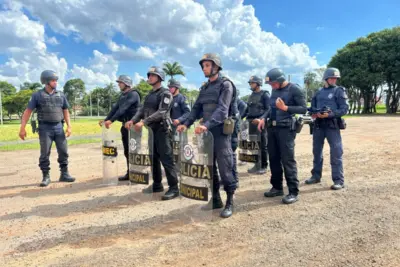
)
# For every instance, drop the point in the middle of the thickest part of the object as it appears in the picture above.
(173, 69)
(30, 86)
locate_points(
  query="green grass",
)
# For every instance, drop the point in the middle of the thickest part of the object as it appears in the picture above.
(22, 146)
(81, 127)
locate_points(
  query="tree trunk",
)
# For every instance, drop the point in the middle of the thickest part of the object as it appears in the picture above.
(388, 98)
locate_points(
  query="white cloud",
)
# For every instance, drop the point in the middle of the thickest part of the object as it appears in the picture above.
(102, 71)
(122, 52)
(23, 41)
(280, 25)
(52, 40)
(318, 53)
(182, 32)
(137, 78)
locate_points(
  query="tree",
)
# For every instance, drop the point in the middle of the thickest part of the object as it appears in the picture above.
(143, 88)
(173, 69)
(367, 65)
(7, 89)
(16, 104)
(191, 95)
(30, 86)
(74, 91)
(312, 82)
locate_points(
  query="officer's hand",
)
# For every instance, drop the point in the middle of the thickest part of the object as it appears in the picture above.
(261, 125)
(138, 126)
(22, 134)
(255, 121)
(314, 116)
(107, 124)
(200, 129)
(201, 121)
(176, 122)
(280, 104)
(128, 124)
(68, 131)
(101, 123)
(181, 128)
(323, 115)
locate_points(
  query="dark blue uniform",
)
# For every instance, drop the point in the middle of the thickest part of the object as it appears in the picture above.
(50, 109)
(214, 102)
(336, 99)
(127, 105)
(281, 136)
(242, 107)
(258, 107)
(155, 113)
(180, 109)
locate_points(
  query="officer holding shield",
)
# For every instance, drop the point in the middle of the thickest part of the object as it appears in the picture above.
(258, 107)
(215, 102)
(127, 105)
(155, 113)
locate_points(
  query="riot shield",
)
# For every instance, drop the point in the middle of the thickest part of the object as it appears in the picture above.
(140, 155)
(196, 160)
(176, 149)
(249, 143)
(111, 151)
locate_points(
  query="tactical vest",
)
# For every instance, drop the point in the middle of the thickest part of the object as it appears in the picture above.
(209, 95)
(50, 107)
(287, 97)
(256, 105)
(327, 97)
(152, 102)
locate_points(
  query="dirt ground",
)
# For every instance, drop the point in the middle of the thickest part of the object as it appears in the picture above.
(92, 223)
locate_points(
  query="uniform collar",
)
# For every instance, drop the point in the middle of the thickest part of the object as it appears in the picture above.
(52, 93)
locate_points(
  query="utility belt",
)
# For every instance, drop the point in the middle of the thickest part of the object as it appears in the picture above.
(335, 123)
(50, 122)
(286, 123)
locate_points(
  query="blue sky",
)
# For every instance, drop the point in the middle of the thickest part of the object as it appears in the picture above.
(118, 38)
(326, 26)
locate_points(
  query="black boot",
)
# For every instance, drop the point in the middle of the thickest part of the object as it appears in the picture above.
(273, 193)
(337, 186)
(290, 199)
(65, 177)
(172, 193)
(214, 203)
(255, 168)
(45, 180)
(124, 178)
(154, 188)
(228, 210)
(261, 171)
(313, 180)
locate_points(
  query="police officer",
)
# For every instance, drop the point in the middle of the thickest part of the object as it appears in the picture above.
(155, 113)
(287, 99)
(127, 105)
(180, 109)
(327, 125)
(215, 102)
(258, 108)
(52, 110)
(242, 107)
